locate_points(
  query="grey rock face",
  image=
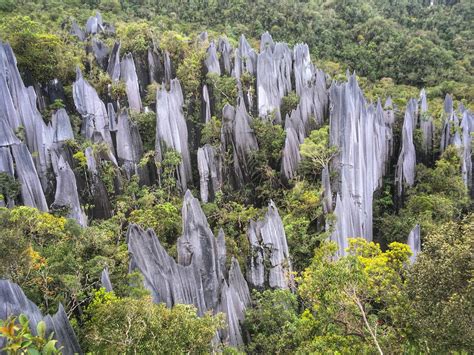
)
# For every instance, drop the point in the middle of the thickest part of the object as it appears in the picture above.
(31, 190)
(61, 126)
(129, 75)
(273, 76)
(113, 67)
(77, 31)
(94, 24)
(290, 155)
(66, 191)
(210, 172)
(426, 124)
(92, 109)
(467, 126)
(245, 59)
(14, 302)
(226, 51)
(363, 139)
(171, 129)
(101, 52)
(129, 144)
(269, 264)
(407, 158)
(302, 67)
(212, 60)
(105, 280)
(197, 278)
(8, 112)
(206, 104)
(414, 241)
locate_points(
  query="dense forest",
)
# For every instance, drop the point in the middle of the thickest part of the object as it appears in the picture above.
(236, 176)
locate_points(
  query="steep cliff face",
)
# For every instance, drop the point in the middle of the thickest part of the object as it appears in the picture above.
(14, 302)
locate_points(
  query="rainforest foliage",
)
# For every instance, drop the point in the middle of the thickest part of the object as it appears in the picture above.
(372, 300)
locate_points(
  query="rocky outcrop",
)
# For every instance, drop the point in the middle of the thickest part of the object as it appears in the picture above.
(226, 51)
(467, 127)
(92, 109)
(129, 145)
(363, 138)
(198, 277)
(101, 52)
(414, 241)
(426, 124)
(66, 197)
(245, 59)
(210, 172)
(407, 159)
(113, 67)
(171, 129)
(274, 65)
(269, 264)
(14, 302)
(290, 156)
(129, 75)
(206, 102)
(212, 60)
(94, 24)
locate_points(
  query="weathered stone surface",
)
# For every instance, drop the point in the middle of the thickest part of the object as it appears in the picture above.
(155, 66)
(269, 264)
(8, 112)
(105, 280)
(77, 31)
(273, 76)
(14, 302)
(66, 196)
(467, 126)
(426, 124)
(206, 104)
(95, 119)
(94, 24)
(210, 172)
(31, 190)
(199, 276)
(226, 51)
(61, 126)
(212, 60)
(113, 67)
(171, 129)
(129, 144)
(363, 138)
(112, 117)
(245, 59)
(7, 137)
(407, 158)
(414, 241)
(129, 75)
(290, 155)
(101, 52)
(302, 67)
(167, 68)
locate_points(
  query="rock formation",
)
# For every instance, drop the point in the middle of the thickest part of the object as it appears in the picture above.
(171, 129)
(212, 61)
(363, 137)
(269, 264)
(198, 277)
(414, 241)
(129, 75)
(210, 172)
(407, 158)
(14, 302)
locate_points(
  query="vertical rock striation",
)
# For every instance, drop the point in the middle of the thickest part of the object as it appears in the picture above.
(210, 172)
(362, 135)
(14, 302)
(171, 129)
(407, 158)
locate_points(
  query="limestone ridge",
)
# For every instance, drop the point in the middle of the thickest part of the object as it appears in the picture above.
(13, 302)
(199, 277)
(362, 135)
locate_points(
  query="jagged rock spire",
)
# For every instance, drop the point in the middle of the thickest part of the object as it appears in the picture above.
(171, 129)
(14, 302)
(269, 264)
(363, 138)
(407, 159)
(128, 74)
(199, 275)
(414, 241)
(210, 172)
